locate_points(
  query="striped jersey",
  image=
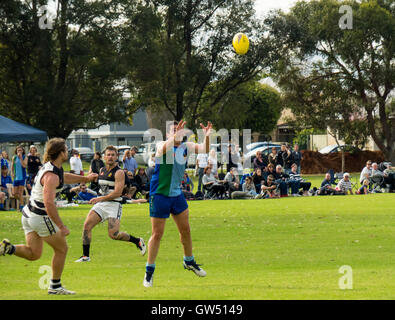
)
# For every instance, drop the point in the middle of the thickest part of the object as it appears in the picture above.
(169, 172)
(106, 181)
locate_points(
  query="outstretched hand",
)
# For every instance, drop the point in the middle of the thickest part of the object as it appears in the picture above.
(208, 129)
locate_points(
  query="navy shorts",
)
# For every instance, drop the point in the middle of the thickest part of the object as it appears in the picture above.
(161, 206)
(19, 183)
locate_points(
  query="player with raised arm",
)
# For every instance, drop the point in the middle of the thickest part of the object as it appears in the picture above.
(40, 218)
(166, 196)
(108, 206)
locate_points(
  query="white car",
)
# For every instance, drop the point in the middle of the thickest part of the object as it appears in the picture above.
(335, 148)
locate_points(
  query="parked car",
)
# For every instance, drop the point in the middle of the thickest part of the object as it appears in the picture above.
(254, 145)
(336, 148)
(144, 153)
(86, 154)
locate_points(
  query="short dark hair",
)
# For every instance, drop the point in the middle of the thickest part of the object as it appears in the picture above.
(98, 154)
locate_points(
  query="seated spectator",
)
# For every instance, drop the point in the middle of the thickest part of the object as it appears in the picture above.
(326, 187)
(269, 189)
(345, 185)
(270, 170)
(187, 186)
(231, 180)
(86, 194)
(258, 178)
(364, 189)
(2, 200)
(285, 183)
(211, 184)
(297, 177)
(129, 192)
(131, 183)
(213, 162)
(366, 172)
(249, 187)
(259, 161)
(385, 171)
(142, 181)
(6, 182)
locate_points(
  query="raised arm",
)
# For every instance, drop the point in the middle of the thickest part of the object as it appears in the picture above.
(205, 146)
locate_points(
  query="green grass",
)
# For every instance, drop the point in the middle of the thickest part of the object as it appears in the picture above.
(289, 248)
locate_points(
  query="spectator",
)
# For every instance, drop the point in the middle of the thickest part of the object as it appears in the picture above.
(280, 158)
(151, 161)
(131, 183)
(5, 161)
(302, 184)
(213, 162)
(142, 181)
(129, 162)
(364, 189)
(366, 172)
(270, 170)
(345, 185)
(5, 183)
(249, 187)
(75, 163)
(33, 164)
(257, 178)
(259, 161)
(297, 157)
(269, 188)
(273, 157)
(18, 173)
(2, 200)
(212, 185)
(187, 186)
(85, 194)
(287, 159)
(388, 174)
(96, 164)
(326, 187)
(232, 182)
(280, 178)
(201, 164)
(233, 159)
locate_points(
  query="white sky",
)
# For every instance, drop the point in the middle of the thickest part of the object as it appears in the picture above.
(262, 7)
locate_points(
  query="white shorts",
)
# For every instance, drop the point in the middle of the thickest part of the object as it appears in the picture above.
(42, 225)
(108, 209)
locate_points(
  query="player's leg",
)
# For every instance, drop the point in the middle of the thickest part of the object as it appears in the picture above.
(59, 245)
(30, 251)
(182, 222)
(91, 221)
(115, 234)
(158, 228)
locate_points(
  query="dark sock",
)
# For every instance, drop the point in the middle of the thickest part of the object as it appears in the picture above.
(55, 283)
(134, 240)
(11, 250)
(85, 249)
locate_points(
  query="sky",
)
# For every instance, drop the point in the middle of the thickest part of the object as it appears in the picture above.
(263, 6)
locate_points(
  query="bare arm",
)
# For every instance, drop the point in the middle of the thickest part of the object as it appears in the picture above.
(205, 146)
(70, 178)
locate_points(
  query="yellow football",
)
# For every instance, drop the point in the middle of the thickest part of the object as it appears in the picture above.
(241, 43)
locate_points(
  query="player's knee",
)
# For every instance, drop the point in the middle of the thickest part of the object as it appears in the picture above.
(157, 236)
(34, 256)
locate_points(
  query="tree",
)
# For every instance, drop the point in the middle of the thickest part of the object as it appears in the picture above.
(339, 78)
(64, 77)
(179, 48)
(251, 105)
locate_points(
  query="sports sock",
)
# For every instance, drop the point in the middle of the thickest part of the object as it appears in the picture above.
(55, 283)
(150, 268)
(189, 259)
(11, 250)
(85, 249)
(134, 240)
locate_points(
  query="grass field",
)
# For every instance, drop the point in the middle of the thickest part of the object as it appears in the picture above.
(290, 248)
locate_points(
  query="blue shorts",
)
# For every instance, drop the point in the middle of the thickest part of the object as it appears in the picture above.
(161, 206)
(18, 183)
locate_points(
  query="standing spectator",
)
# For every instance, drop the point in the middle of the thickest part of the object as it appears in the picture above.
(258, 178)
(297, 157)
(33, 164)
(5, 161)
(366, 172)
(96, 164)
(345, 185)
(259, 161)
(201, 164)
(213, 162)
(129, 162)
(273, 157)
(18, 173)
(287, 159)
(232, 180)
(151, 161)
(232, 158)
(75, 163)
(280, 158)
